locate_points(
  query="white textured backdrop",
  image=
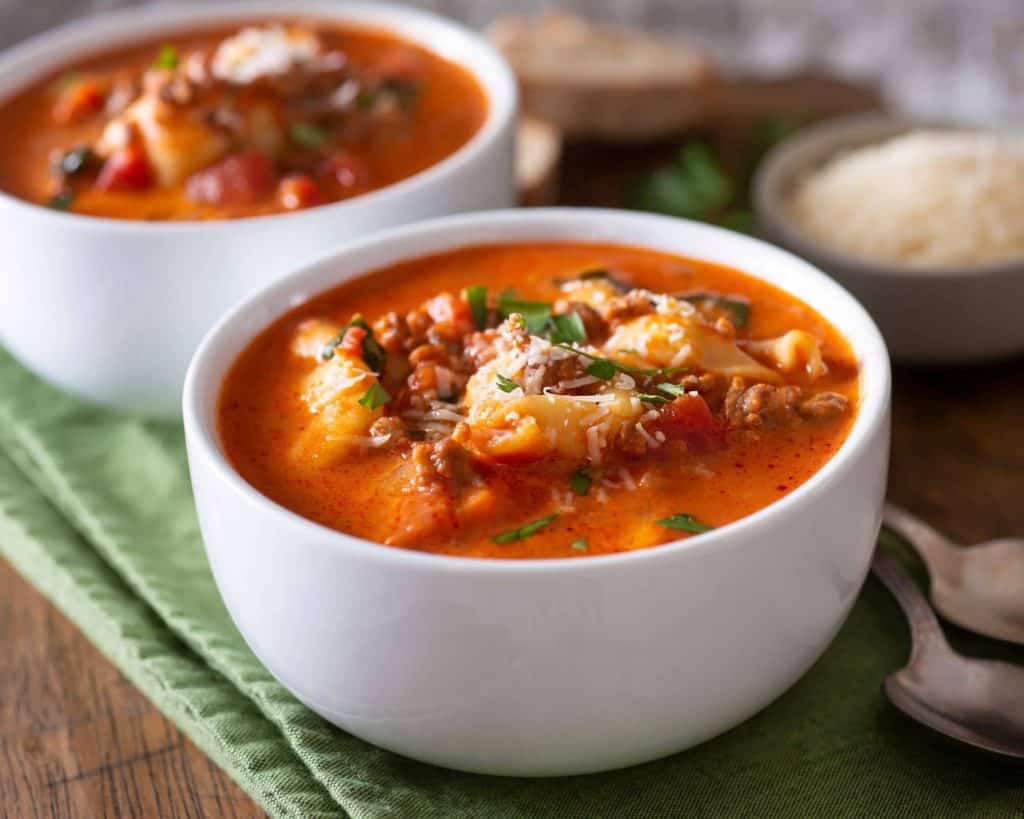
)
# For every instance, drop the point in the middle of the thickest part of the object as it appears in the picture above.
(944, 58)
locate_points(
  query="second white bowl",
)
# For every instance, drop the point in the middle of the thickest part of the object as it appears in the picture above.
(112, 310)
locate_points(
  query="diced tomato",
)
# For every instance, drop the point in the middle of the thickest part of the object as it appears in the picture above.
(78, 100)
(239, 179)
(347, 170)
(127, 169)
(352, 343)
(688, 417)
(299, 191)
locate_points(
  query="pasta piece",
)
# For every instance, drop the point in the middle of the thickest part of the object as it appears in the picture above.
(338, 424)
(528, 424)
(794, 351)
(675, 337)
(176, 142)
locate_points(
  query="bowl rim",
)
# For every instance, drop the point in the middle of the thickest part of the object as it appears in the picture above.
(584, 225)
(118, 28)
(815, 144)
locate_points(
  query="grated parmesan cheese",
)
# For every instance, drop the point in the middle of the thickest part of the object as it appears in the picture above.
(924, 199)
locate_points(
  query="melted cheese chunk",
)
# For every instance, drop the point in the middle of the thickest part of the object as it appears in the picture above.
(595, 292)
(675, 337)
(338, 424)
(176, 142)
(262, 52)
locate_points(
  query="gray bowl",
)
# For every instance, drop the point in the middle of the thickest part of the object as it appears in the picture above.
(928, 316)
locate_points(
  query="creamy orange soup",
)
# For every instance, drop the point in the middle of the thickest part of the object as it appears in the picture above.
(260, 118)
(594, 399)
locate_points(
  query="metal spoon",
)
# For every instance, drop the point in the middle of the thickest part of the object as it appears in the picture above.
(978, 587)
(979, 702)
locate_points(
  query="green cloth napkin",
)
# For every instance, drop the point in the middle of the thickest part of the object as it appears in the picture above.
(95, 509)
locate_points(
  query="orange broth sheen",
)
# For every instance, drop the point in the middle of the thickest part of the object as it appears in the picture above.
(261, 413)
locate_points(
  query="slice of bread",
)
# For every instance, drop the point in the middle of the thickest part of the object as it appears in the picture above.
(605, 82)
(538, 151)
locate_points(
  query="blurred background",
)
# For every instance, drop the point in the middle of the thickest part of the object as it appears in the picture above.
(937, 58)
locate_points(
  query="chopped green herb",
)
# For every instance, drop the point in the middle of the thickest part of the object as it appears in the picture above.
(62, 200)
(308, 136)
(694, 187)
(535, 313)
(524, 532)
(74, 161)
(580, 481)
(375, 397)
(737, 309)
(579, 545)
(685, 523)
(506, 384)
(167, 59)
(476, 296)
(629, 350)
(672, 389)
(605, 368)
(649, 398)
(567, 328)
(374, 355)
(602, 368)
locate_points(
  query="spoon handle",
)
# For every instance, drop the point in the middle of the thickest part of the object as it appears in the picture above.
(939, 552)
(925, 631)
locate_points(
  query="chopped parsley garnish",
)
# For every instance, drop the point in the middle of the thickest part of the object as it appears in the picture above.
(580, 481)
(567, 328)
(579, 545)
(684, 523)
(535, 313)
(374, 355)
(308, 136)
(737, 310)
(62, 200)
(476, 297)
(648, 398)
(167, 59)
(74, 161)
(672, 389)
(375, 397)
(602, 368)
(506, 384)
(605, 368)
(524, 532)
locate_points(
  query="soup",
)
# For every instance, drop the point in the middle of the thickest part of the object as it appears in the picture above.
(213, 124)
(539, 401)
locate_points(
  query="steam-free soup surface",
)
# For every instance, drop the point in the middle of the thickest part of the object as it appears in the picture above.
(264, 117)
(539, 400)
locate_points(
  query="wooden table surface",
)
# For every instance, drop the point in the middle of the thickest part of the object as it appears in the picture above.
(77, 740)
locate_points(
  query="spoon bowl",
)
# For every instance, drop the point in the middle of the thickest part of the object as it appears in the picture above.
(977, 702)
(979, 587)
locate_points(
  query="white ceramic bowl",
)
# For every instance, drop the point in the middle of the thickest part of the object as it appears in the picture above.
(928, 316)
(543, 667)
(112, 310)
